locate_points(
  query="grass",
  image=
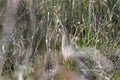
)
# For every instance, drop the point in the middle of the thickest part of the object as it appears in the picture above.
(93, 23)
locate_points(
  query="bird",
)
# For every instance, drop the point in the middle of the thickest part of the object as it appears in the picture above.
(87, 58)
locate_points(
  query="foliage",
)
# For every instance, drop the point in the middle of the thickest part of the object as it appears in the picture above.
(88, 22)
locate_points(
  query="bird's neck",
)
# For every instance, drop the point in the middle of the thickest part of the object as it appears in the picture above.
(65, 40)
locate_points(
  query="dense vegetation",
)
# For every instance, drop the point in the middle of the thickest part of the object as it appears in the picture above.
(30, 35)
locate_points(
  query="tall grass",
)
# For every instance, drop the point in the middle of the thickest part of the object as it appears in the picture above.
(33, 28)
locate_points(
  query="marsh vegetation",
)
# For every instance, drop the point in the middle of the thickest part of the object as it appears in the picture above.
(59, 39)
